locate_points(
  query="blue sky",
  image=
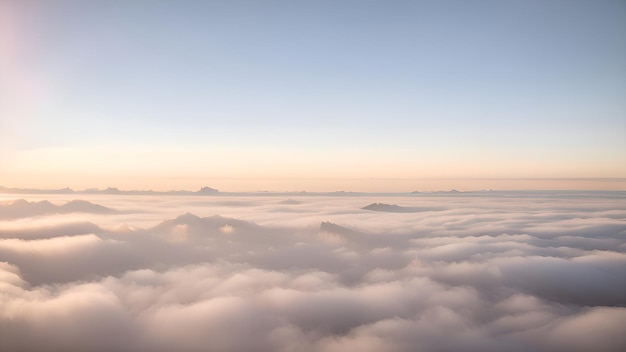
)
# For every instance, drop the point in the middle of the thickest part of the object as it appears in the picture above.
(460, 87)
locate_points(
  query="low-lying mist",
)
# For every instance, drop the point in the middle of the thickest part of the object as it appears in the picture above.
(512, 272)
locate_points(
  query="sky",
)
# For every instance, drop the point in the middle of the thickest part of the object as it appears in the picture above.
(310, 95)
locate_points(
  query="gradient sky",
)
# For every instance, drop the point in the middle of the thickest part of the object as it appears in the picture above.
(179, 94)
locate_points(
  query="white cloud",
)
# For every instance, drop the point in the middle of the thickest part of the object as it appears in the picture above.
(50, 246)
(317, 274)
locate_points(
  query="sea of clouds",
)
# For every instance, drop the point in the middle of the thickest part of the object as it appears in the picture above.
(463, 272)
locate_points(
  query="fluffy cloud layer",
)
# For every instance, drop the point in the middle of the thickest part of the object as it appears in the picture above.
(517, 272)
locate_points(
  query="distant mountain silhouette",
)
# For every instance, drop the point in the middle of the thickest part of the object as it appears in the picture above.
(450, 191)
(393, 208)
(83, 206)
(328, 226)
(196, 225)
(290, 202)
(113, 190)
(207, 190)
(22, 208)
(65, 190)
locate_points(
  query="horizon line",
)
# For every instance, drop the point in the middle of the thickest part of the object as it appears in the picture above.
(209, 191)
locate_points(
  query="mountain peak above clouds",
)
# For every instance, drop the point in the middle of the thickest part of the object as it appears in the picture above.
(394, 208)
(22, 208)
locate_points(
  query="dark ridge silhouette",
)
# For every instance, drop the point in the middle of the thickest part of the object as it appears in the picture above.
(393, 208)
(22, 208)
(186, 218)
(450, 191)
(207, 190)
(290, 202)
(198, 225)
(65, 190)
(328, 226)
(83, 206)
